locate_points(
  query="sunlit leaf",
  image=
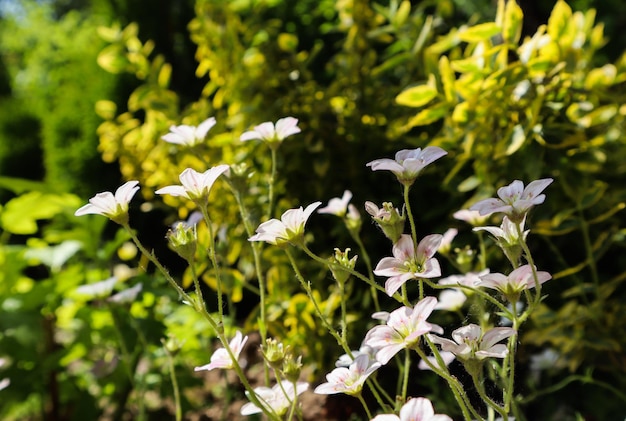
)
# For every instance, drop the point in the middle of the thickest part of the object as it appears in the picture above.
(417, 96)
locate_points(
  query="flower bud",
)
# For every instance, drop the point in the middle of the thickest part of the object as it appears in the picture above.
(388, 218)
(274, 353)
(183, 240)
(339, 263)
(292, 368)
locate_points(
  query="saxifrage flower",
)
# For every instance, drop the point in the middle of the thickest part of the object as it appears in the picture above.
(470, 342)
(189, 135)
(277, 399)
(408, 163)
(512, 285)
(349, 380)
(221, 358)
(195, 185)
(514, 200)
(114, 207)
(402, 330)
(272, 133)
(408, 263)
(289, 229)
(415, 409)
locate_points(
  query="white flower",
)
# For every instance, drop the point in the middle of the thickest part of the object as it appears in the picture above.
(337, 206)
(290, 227)
(221, 359)
(274, 399)
(189, 135)
(451, 300)
(512, 285)
(472, 217)
(409, 263)
(99, 289)
(349, 380)
(470, 343)
(195, 185)
(415, 409)
(514, 200)
(408, 163)
(114, 207)
(273, 133)
(403, 329)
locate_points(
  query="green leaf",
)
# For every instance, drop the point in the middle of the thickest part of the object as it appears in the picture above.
(559, 19)
(512, 25)
(480, 32)
(429, 115)
(21, 214)
(416, 96)
(518, 137)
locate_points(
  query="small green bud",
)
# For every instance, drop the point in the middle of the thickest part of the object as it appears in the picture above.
(274, 353)
(388, 218)
(339, 263)
(292, 367)
(183, 240)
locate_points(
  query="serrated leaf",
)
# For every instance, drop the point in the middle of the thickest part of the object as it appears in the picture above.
(416, 96)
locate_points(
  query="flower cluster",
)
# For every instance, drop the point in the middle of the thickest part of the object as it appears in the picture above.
(405, 328)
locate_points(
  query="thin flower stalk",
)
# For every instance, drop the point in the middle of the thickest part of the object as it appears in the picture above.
(457, 389)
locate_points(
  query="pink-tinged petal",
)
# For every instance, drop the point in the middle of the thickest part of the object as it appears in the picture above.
(463, 334)
(531, 192)
(173, 191)
(385, 164)
(425, 307)
(493, 280)
(495, 335)
(496, 351)
(403, 249)
(389, 266)
(451, 300)
(431, 269)
(419, 409)
(495, 231)
(266, 130)
(286, 127)
(250, 135)
(270, 231)
(386, 417)
(387, 353)
(394, 283)
(204, 127)
(337, 206)
(511, 192)
(450, 346)
(541, 277)
(489, 206)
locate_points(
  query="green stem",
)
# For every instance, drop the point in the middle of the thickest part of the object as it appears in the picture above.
(256, 253)
(584, 228)
(270, 205)
(307, 288)
(216, 268)
(212, 322)
(371, 283)
(152, 258)
(368, 265)
(177, 404)
(456, 388)
(407, 367)
(478, 385)
(367, 410)
(531, 262)
(409, 213)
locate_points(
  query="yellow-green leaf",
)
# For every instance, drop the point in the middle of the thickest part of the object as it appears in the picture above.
(416, 96)
(518, 137)
(429, 115)
(480, 32)
(559, 19)
(512, 25)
